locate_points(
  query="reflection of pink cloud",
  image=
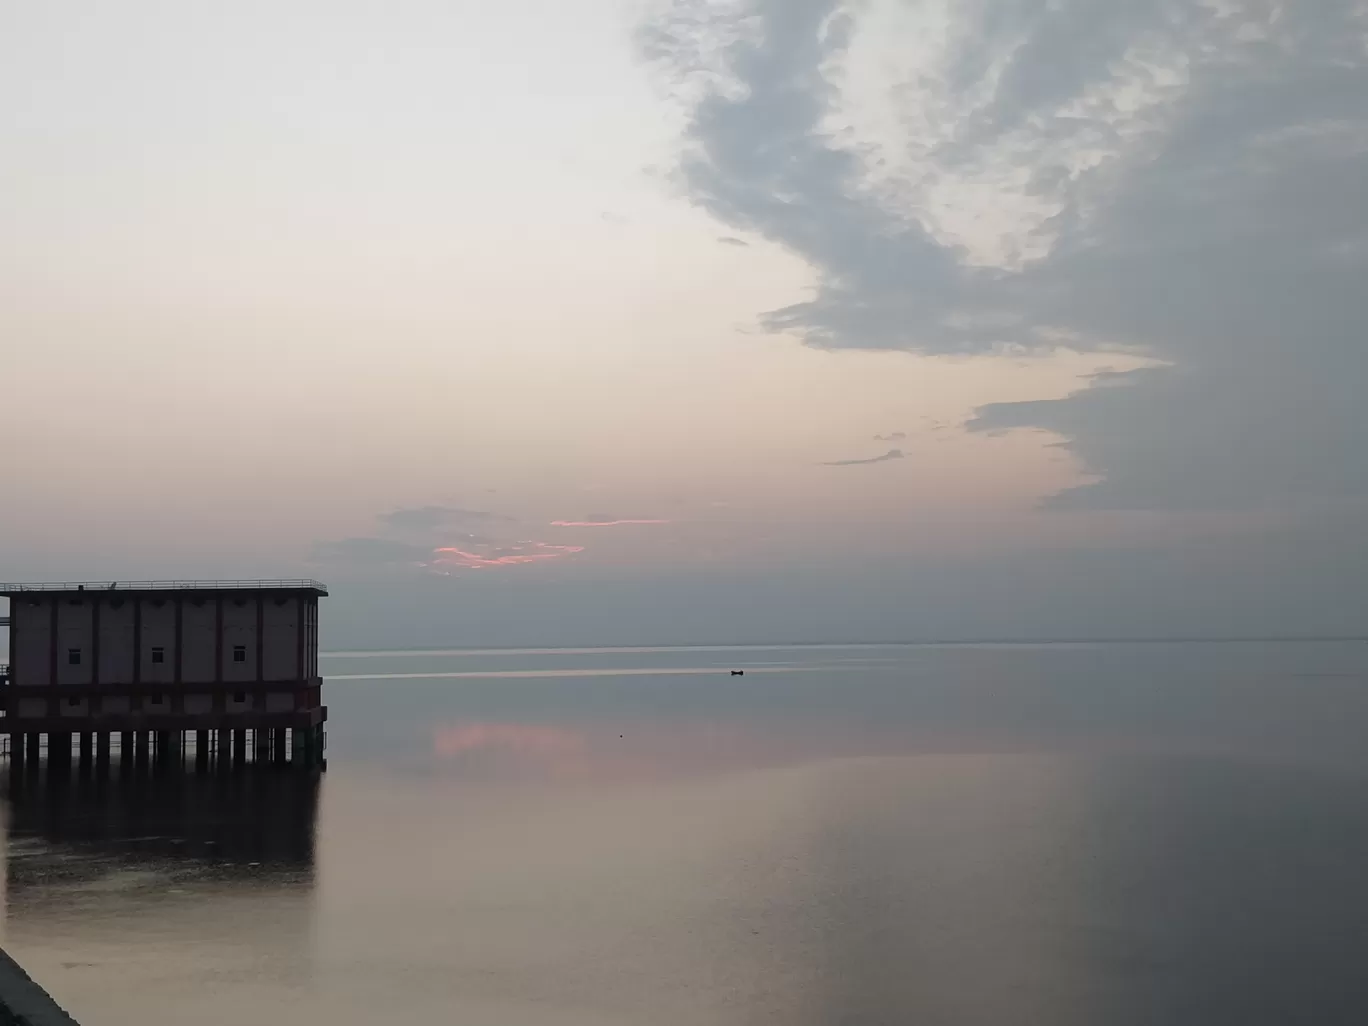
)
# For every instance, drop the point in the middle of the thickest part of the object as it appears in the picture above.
(636, 751)
(521, 738)
(519, 554)
(603, 523)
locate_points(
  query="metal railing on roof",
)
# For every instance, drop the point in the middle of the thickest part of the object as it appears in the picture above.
(288, 585)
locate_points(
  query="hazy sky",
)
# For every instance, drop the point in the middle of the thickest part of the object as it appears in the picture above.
(695, 320)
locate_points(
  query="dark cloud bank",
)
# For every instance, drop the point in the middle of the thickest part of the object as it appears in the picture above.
(1222, 231)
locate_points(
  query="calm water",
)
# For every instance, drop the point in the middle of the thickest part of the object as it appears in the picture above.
(1156, 834)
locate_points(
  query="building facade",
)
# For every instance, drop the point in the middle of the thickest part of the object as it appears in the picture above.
(154, 659)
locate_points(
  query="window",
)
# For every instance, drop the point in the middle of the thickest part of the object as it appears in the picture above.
(158, 654)
(73, 657)
(73, 701)
(239, 653)
(156, 699)
(240, 696)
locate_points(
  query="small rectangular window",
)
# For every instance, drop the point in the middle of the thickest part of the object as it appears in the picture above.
(73, 701)
(239, 653)
(239, 696)
(74, 656)
(156, 699)
(159, 655)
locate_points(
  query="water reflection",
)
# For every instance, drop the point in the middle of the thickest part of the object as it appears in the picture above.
(138, 854)
(1076, 837)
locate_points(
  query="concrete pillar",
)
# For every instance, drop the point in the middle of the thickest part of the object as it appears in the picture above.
(17, 751)
(87, 750)
(258, 745)
(141, 743)
(32, 751)
(59, 753)
(102, 750)
(278, 746)
(225, 748)
(239, 747)
(126, 747)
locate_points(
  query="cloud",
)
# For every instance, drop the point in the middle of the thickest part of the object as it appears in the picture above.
(432, 518)
(1182, 181)
(449, 557)
(896, 436)
(604, 521)
(432, 538)
(731, 240)
(892, 454)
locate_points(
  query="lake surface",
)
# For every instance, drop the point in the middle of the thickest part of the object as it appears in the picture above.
(1053, 834)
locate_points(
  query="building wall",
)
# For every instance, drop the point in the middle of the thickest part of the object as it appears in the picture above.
(30, 640)
(111, 638)
(117, 642)
(199, 651)
(158, 632)
(279, 703)
(239, 638)
(280, 637)
(75, 640)
(311, 637)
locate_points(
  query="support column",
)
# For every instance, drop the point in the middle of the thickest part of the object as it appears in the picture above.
(126, 747)
(141, 743)
(33, 753)
(259, 750)
(17, 751)
(225, 747)
(201, 750)
(87, 750)
(102, 751)
(239, 747)
(278, 745)
(59, 753)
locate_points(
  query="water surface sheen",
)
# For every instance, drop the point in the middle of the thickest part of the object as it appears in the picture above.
(1090, 834)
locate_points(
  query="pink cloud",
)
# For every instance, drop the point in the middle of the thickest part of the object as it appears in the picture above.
(519, 554)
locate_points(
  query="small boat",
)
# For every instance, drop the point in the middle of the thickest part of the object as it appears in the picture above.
(738, 673)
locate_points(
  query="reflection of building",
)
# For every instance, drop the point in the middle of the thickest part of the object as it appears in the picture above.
(157, 664)
(64, 834)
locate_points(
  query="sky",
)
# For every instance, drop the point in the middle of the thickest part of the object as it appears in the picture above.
(638, 321)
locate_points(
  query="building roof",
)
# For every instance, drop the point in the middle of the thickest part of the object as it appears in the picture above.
(13, 590)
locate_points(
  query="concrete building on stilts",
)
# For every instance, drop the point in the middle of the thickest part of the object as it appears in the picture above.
(162, 672)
